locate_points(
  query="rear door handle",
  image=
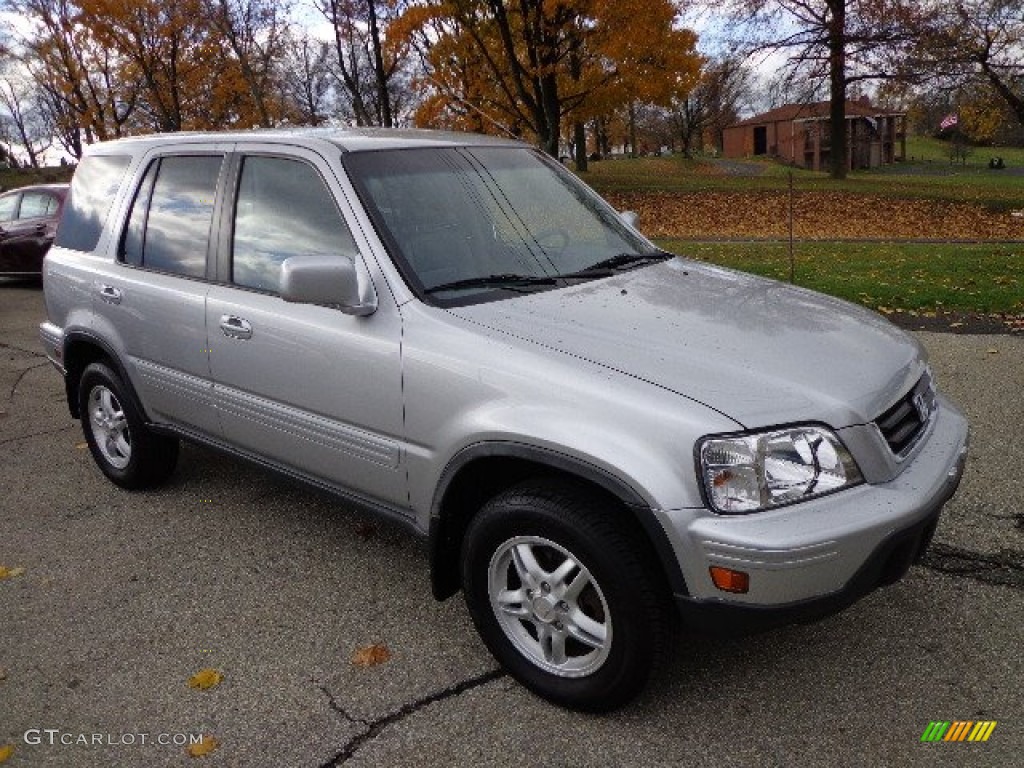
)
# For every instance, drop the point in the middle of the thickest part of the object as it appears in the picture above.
(110, 294)
(235, 327)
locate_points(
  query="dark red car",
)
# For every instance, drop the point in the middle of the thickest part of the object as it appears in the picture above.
(28, 222)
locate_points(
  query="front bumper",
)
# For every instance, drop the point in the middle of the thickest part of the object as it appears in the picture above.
(817, 557)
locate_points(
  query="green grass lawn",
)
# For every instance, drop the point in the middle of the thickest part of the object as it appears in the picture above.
(930, 175)
(926, 150)
(886, 276)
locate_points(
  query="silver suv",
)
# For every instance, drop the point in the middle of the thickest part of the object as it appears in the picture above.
(456, 333)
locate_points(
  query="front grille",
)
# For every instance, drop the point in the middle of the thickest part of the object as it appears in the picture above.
(903, 424)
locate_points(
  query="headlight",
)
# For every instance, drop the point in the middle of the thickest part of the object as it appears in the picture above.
(747, 473)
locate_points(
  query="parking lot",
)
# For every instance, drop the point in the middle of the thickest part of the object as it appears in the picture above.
(124, 596)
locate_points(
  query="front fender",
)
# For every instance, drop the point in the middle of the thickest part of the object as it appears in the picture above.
(448, 520)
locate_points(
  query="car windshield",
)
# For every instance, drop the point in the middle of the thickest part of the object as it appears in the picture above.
(474, 224)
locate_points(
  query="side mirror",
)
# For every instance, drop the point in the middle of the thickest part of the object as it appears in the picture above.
(331, 280)
(631, 218)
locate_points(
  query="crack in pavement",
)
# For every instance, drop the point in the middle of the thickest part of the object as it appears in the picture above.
(333, 704)
(21, 376)
(375, 727)
(1004, 569)
(7, 440)
(4, 345)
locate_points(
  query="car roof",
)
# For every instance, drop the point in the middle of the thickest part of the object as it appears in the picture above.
(346, 139)
(53, 187)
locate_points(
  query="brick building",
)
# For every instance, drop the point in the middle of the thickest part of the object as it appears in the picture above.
(799, 134)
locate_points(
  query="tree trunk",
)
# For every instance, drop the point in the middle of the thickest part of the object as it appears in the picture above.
(579, 140)
(552, 114)
(380, 74)
(1013, 101)
(838, 162)
(632, 129)
(604, 145)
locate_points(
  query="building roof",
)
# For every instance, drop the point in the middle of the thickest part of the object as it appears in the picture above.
(816, 111)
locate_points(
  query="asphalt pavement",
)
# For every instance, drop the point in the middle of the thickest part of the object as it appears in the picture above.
(112, 601)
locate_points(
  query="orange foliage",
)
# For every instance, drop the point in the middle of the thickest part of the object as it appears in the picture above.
(124, 66)
(525, 67)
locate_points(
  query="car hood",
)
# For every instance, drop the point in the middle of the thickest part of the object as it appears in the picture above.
(758, 351)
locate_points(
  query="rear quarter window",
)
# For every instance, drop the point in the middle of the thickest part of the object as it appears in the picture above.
(94, 186)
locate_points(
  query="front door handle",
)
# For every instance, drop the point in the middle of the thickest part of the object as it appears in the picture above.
(235, 327)
(110, 294)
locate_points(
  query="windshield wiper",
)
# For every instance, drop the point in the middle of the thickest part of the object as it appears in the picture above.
(616, 263)
(509, 281)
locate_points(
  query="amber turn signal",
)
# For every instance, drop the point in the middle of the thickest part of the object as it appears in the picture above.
(729, 580)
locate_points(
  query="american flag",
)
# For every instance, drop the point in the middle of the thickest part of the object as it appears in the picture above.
(948, 122)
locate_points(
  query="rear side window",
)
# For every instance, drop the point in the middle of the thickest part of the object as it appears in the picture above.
(37, 204)
(283, 209)
(169, 224)
(8, 206)
(94, 186)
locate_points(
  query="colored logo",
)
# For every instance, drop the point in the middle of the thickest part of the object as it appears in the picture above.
(958, 730)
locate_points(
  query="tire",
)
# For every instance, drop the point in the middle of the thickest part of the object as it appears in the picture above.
(128, 453)
(561, 594)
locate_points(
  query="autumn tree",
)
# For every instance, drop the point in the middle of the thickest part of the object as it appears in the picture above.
(533, 66)
(712, 104)
(80, 79)
(254, 32)
(22, 118)
(839, 41)
(306, 79)
(167, 48)
(978, 42)
(368, 60)
(111, 67)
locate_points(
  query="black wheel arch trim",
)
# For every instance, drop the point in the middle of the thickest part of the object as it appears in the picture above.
(444, 562)
(71, 383)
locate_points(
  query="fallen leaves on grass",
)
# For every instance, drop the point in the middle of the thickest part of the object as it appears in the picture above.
(204, 747)
(818, 215)
(371, 655)
(10, 573)
(205, 678)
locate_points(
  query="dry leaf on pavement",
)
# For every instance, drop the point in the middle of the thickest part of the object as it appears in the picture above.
(205, 678)
(10, 573)
(371, 655)
(205, 747)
